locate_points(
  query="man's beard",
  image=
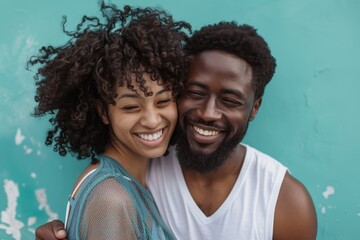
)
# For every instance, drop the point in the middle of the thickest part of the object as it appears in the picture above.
(204, 163)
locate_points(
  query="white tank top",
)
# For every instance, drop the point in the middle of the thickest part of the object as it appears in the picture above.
(247, 213)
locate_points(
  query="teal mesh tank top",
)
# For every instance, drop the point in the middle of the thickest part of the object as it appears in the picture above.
(111, 204)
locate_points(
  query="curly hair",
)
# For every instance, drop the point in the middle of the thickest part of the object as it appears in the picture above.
(99, 57)
(242, 41)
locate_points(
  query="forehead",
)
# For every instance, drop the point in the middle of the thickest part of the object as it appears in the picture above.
(150, 85)
(219, 68)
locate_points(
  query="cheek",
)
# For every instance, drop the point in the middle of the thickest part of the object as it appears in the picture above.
(237, 120)
(119, 126)
(120, 122)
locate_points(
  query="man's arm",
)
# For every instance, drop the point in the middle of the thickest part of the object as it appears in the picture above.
(295, 216)
(51, 231)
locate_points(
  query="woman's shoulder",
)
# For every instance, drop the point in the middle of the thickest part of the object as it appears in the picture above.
(110, 191)
(82, 177)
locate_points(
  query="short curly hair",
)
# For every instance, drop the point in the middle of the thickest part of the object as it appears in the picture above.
(242, 41)
(99, 57)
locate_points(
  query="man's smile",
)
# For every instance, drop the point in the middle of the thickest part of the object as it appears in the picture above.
(205, 132)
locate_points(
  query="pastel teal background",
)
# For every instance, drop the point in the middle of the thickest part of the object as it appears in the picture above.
(309, 119)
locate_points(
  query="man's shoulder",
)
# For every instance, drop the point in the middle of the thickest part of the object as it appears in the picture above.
(263, 160)
(294, 205)
(257, 152)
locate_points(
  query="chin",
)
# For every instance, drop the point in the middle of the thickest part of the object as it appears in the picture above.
(156, 152)
(205, 158)
(203, 149)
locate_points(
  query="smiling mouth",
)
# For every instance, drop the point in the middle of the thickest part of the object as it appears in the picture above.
(205, 132)
(151, 137)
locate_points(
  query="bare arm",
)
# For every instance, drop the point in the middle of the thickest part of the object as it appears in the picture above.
(295, 216)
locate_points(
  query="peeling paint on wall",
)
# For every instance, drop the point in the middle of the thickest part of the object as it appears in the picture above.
(11, 225)
(19, 138)
(42, 199)
(330, 190)
(29, 145)
(30, 223)
(323, 210)
(27, 149)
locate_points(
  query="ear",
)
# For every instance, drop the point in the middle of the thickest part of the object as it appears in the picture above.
(255, 108)
(102, 112)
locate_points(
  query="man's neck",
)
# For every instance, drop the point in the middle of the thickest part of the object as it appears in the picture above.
(210, 190)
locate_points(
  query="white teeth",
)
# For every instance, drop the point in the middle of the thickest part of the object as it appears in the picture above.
(206, 132)
(151, 137)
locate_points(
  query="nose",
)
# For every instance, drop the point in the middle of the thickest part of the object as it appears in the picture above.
(209, 111)
(151, 119)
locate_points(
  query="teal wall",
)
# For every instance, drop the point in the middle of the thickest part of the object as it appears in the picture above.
(309, 120)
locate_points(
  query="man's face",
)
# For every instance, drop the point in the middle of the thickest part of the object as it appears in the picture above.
(214, 109)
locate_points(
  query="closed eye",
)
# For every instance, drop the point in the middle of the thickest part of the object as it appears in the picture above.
(195, 94)
(131, 107)
(164, 102)
(232, 102)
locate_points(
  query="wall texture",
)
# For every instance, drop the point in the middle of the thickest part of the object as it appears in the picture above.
(309, 119)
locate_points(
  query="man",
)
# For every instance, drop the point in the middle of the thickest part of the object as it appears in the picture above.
(219, 188)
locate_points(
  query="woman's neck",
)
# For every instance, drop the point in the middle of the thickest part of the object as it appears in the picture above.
(133, 164)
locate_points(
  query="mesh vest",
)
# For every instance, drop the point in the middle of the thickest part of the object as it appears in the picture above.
(111, 204)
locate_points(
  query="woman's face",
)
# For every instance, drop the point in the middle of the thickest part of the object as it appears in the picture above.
(141, 127)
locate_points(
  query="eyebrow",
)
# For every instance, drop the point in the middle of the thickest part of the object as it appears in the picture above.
(135, 95)
(195, 83)
(162, 91)
(234, 92)
(225, 91)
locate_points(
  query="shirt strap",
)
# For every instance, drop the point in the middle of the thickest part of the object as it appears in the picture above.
(71, 197)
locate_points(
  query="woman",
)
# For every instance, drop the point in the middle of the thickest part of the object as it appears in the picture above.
(111, 92)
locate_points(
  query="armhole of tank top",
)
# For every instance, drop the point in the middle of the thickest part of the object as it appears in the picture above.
(270, 215)
(71, 197)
